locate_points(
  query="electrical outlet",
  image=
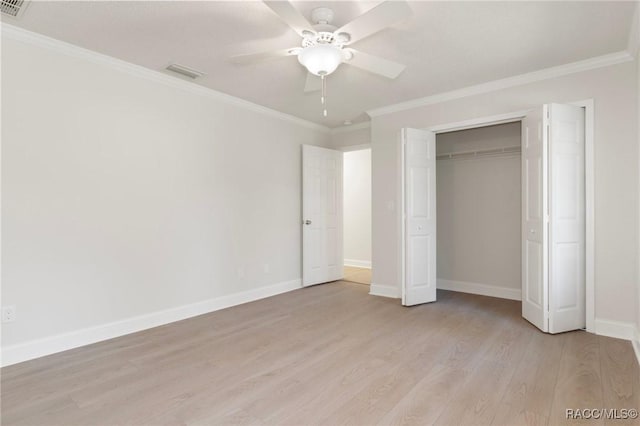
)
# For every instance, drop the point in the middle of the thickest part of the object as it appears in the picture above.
(240, 273)
(266, 268)
(8, 313)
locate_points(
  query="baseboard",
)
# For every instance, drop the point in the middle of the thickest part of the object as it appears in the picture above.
(49, 345)
(481, 289)
(620, 330)
(617, 329)
(384, 290)
(357, 263)
(636, 345)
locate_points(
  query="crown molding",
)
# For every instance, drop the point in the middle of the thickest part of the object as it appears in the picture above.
(351, 128)
(633, 44)
(19, 34)
(519, 80)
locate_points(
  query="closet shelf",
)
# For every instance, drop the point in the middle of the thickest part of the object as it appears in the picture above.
(479, 153)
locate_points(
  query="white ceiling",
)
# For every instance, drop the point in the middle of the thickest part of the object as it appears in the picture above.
(445, 45)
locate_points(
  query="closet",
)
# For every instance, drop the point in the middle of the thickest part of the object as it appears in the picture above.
(461, 216)
(478, 210)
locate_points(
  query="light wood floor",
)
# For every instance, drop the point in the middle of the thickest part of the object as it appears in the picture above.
(289, 360)
(357, 275)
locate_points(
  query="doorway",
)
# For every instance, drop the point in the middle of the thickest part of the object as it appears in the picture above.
(479, 197)
(418, 221)
(357, 216)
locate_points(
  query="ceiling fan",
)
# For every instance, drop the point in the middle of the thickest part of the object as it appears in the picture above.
(324, 46)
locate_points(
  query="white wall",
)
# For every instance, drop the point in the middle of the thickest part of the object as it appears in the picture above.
(637, 63)
(616, 173)
(123, 196)
(478, 203)
(357, 208)
(636, 40)
(351, 136)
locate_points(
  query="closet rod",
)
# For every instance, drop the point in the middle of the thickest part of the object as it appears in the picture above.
(480, 152)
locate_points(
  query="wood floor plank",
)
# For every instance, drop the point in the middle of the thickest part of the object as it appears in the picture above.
(329, 355)
(357, 275)
(477, 401)
(459, 357)
(579, 383)
(530, 393)
(620, 378)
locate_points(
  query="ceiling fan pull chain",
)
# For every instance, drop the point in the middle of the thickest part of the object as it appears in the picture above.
(323, 96)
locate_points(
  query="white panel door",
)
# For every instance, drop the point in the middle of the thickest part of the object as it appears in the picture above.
(419, 207)
(567, 218)
(321, 215)
(535, 296)
(553, 218)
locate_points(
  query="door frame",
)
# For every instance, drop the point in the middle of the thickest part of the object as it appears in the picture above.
(588, 105)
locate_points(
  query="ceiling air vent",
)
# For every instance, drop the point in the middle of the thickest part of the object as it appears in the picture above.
(14, 8)
(185, 71)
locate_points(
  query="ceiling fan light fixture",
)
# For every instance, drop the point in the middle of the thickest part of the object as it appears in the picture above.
(320, 59)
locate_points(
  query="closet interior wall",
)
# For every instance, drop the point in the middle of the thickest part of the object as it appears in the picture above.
(478, 209)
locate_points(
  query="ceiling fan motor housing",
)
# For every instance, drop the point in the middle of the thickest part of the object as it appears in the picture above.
(322, 15)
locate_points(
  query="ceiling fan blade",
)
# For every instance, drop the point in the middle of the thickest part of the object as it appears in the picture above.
(313, 83)
(262, 56)
(291, 16)
(375, 64)
(380, 17)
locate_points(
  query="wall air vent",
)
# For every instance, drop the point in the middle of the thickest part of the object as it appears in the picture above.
(14, 8)
(185, 71)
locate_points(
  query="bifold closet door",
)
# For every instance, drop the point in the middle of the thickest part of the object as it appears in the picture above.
(553, 189)
(419, 208)
(535, 241)
(566, 218)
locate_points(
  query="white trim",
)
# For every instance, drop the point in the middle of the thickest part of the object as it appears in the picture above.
(476, 123)
(633, 42)
(49, 345)
(384, 291)
(636, 349)
(617, 329)
(481, 289)
(351, 148)
(22, 35)
(357, 263)
(590, 253)
(351, 128)
(402, 216)
(519, 80)
(636, 345)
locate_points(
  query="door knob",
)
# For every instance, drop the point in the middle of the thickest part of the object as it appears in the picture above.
(533, 231)
(307, 222)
